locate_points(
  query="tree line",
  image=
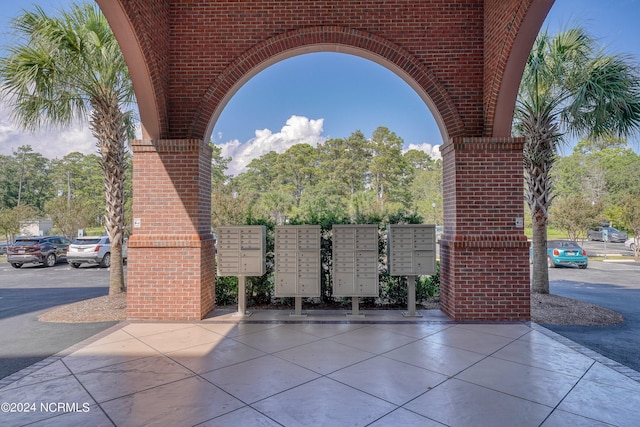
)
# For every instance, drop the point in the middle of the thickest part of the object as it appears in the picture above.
(69, 190)
(354, 178)
(351, 177)
(598, 182)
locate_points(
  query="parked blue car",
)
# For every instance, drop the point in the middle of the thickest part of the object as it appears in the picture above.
(565, 253)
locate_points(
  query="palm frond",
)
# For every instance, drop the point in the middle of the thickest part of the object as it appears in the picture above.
(68, 63)
(607, 100)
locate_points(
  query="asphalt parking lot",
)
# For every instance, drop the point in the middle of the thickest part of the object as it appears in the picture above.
(613, 285)
(32, 290)
(608, 249)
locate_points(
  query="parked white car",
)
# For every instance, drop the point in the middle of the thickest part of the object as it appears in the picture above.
(630, 243)
(92, 250)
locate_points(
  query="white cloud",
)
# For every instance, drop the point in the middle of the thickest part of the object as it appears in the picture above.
(297, 130)
(432, 150)
(50, 142)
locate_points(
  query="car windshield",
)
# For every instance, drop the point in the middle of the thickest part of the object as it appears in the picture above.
(87, 241)
(566, 245)
(26, 242)
(611, 230)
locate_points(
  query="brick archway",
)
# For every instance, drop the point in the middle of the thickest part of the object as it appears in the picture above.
(331, 39)
(464, 58)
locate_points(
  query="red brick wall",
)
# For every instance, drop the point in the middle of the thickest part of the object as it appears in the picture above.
(170, 273)
(190, 46)
(484, 255)
(499, 39)
(143, 31)
(446, 37)
(206, 37)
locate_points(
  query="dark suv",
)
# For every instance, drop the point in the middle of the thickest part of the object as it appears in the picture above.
(37, 250)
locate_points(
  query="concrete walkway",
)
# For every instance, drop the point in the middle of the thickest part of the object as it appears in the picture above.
(272, 369)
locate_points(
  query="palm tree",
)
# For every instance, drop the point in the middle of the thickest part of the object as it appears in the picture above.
(68, 67)
(569, 87)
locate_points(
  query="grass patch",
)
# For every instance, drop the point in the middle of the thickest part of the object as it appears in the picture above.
(552, 233)
(614, 258)
(94, 231)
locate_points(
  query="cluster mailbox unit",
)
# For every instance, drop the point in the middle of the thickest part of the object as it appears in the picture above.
(297, 259)
(411, 252)
(242, 252)
(355, 262)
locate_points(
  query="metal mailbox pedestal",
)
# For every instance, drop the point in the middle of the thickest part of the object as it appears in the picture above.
(242, 253)
(355, 263)
(411, 252)
(297, 263)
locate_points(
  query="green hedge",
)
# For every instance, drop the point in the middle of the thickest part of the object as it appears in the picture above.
(392, 290)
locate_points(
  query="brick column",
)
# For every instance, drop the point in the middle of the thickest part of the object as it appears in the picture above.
(484, 255)
(171, 271)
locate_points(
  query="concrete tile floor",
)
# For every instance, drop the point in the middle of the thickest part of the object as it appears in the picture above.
(271, 369)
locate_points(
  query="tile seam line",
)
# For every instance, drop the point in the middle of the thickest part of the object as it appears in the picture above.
(591, 354)
(567, 394)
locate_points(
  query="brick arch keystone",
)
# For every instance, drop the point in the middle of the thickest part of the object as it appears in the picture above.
(328, 39)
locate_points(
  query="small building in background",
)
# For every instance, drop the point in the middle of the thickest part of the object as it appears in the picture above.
(36, 227)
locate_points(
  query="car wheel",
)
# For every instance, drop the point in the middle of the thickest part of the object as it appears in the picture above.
(106, 260)
(75, 265)
(16, 265)
(50, 260)
(583, 266)
(633, 247)
(550, 262)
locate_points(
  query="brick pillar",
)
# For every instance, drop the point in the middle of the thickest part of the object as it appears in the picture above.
(484, 255)
(171, 271)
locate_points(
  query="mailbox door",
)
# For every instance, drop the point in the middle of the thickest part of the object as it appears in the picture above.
(285, 285)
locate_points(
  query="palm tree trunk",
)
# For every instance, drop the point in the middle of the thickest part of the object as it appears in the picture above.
(539, 199)
(21, 177)
(108, 125)
(539, 156)
(540, 272)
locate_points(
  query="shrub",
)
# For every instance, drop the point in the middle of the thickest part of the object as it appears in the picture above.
(393, 290)
(428, 286)
(226, 290)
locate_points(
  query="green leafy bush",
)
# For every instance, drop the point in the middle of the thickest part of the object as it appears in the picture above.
(226, 290)
(428, 286)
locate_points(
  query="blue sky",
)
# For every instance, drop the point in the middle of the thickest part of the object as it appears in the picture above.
(313, 97)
